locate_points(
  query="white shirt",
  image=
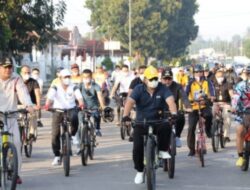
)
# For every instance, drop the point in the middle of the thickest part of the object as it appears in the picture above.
(64, 99)
(9, 91)
(124, 82)
(115, 74)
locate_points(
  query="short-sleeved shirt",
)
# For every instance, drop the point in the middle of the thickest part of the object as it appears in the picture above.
(90, 95)
(135, 82)
(147, 106)
(124, 82)
(64, 99)
(32, 84)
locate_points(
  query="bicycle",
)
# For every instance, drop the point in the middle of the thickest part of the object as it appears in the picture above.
(125, 129)
(23, 122)
(150, 151)
(87, 136)
(8, 152)
(65, 139)
(217, 130)
(246, 134)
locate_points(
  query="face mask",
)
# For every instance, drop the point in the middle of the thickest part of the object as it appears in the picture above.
(220, 80)
(86, 81)
(153, 84)
(66, 81)
(35, 77)
(26, 77)
(141, 77)
(75, 74)
(125, 74)
(198, 79)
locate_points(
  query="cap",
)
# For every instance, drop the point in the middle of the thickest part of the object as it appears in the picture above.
(167, 73)
(59, 69)
(181, 69)
(6, 62)
(74, 66)
(98, 65)
(65, 72)
(150, 72)
(221, 70)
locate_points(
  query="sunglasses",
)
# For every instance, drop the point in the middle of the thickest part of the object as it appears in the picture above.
(67, 77)
(8, 67)
(167, 78)
(153, 79)
(198, 72)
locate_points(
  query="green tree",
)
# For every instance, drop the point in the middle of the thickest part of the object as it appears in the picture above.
(154, 23)
(246, 47)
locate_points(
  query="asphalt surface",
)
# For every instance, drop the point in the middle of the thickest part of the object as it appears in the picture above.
(112, 167)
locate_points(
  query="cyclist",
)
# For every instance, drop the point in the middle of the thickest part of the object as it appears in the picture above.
(36, 76)
(122, 83)
(223, 94)
(182, 78)
(207, 74)
(149, 99)
(34, 91)
(63, 96)
(197, 90)
(100, 76)
(11, 87)
(115, 74)
(180, 99)
(92, 97)
(76, 77)
(241, 103)
(230, 75)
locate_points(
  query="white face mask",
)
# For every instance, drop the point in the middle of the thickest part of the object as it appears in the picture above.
(35, 77)
(220, 79)
(86, 81)
(75, 74)
(125, 74)
(26, 77)
(66, 81)
(141, 77)
(198, 79)
(153, 84)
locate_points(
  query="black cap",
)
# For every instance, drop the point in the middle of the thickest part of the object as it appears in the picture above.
(167, 73)
(5, 62)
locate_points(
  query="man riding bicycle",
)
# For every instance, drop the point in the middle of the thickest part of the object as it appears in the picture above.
(223, 94)
(92, 97)
(241, 103)
(63, 96)
(122, 82)
(11, 87)
(198, 90)
(180, 99)
(149, 98)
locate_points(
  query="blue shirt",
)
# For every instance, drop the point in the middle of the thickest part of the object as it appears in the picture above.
(90, 96)
(147, 106)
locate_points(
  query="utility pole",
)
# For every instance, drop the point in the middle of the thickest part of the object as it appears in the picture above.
(51, 42)
(130, 29)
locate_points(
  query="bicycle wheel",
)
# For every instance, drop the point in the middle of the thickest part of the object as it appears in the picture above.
(123, 127)
(201, 152)
(171, 161)
(150, 163)
(222, 139)
(9, 170)
(28, 149)
(91, 142)
(84, 148)
(245, 164)
(216, 136)
(66, 153)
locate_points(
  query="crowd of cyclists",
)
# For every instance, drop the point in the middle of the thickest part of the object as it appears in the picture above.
(148, 90)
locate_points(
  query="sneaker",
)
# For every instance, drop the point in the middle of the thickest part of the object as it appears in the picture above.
(191, 153)
(130, 139)
(56, 161)
(164, 155)
(19, 180)
(240, 161)
(98, 133)
(39, 124)
(32, 137)
(139, 178)
(227, 139)
(178, 142)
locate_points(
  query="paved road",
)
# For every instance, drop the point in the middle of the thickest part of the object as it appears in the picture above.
(112, 168)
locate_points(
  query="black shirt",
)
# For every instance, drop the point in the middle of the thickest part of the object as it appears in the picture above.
(32, 84)
(147, 106)
(135, 82)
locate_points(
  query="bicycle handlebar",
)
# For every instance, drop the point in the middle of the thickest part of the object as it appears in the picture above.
(150, 122)
(13, 112)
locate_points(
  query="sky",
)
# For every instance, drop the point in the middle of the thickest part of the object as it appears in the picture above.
(216, 18)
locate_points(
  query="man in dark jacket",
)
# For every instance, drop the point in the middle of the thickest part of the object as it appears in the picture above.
(180, 100)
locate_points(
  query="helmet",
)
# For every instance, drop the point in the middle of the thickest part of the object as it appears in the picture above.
(108, 114)
(167, 73)
(205, 67)
(150, 72)
(198, 68)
